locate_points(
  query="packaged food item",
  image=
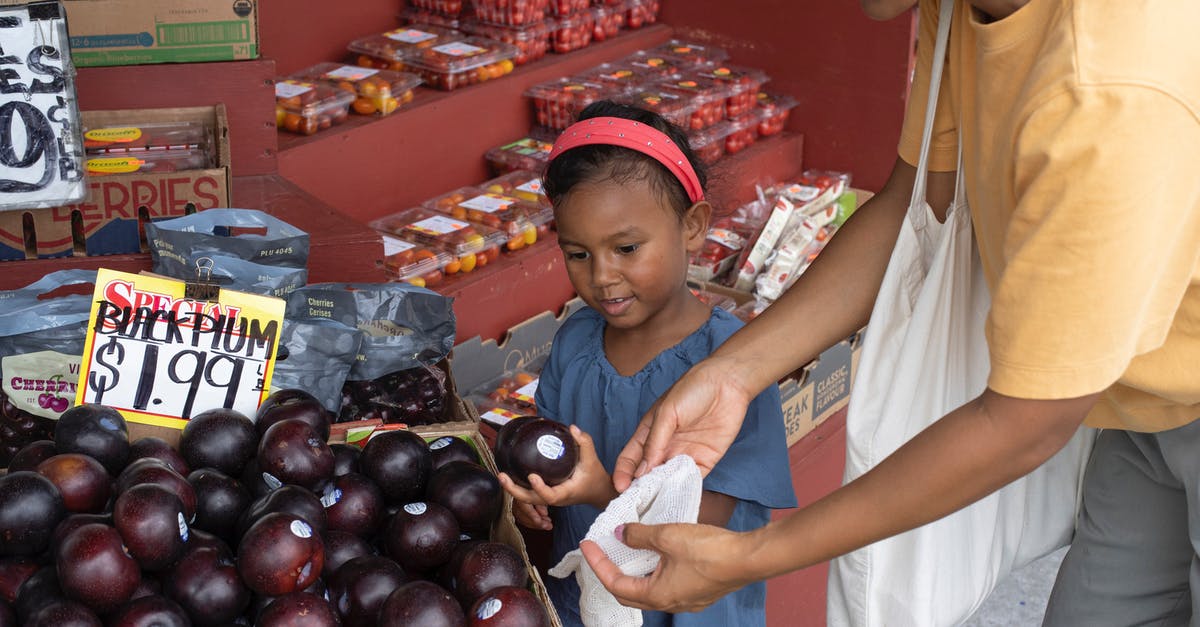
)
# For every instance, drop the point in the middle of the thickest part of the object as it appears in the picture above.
(624, 76)
(670, 104)
(517, 218)
(515, 390)
(754, 256)
(147, 161)
(709, 143)
(376, 92)
(387, 51)
(524, 184)
(563, 8)
(795, 253)
(726, 239)
(653, 65)
(641, 12)
(510, 12)
(176, 135)
(742, 85)
(492, 412)
(706, 96)
(531, 40)
(449, 8)
(462, 62)
(557, 103)
(690, 53)
(305, 107)
(573, 32)
(472, 245)
(413, 263)
(526, 153)
(414, 15)
(743, 134)
(608, 21)
(773, 112)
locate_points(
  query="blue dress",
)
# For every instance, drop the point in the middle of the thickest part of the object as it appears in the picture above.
(579, 386)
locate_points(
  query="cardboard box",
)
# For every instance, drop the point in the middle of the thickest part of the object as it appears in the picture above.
(109, 221)
(525, 346)
(133, 32)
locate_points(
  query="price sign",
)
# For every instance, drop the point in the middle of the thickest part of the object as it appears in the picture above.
(160, 357)
(40, 148)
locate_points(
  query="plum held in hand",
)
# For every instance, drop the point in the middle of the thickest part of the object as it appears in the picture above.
(540, 446)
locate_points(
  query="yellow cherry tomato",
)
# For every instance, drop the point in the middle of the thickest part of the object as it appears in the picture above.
(530, 235)
(416, 280)
(468, 262)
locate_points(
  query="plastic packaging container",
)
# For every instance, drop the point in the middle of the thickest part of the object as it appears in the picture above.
(413, 15)
(413, 263)
(725, 240)
(741, 83)
(624, 76)
(305, 107)
(563, 8)
(148, 161)
(515, 390)
(176, 135)
(526, 153)
(492, 412)
(744, 134)
(510, 12)
(773, 112)
(388, 51)
(707, 96)
(572, 32)
(463, 62)
(517, 218)
(709, 143)
(607, 22)
(450, 8)
(672, 105)
(524, 184)
(472, 245)
(690, 53)
(639, 13)
(557, 103)
(658, 66)
(376, 92)
(532, 41)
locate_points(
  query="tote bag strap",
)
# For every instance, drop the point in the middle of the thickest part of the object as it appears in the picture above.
(935, 83)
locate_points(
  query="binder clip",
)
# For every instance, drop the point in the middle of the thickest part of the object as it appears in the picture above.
(203, 287)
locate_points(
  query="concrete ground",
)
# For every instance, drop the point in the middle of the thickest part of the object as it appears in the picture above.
(1020, 600)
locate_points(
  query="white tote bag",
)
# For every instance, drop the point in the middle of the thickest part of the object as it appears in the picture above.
(925, 355)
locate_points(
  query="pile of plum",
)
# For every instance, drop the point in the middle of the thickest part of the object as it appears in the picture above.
(253, 522)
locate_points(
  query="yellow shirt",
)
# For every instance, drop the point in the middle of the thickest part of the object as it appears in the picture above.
(1081, 149)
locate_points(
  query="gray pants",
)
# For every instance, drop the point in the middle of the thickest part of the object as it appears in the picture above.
(1134, 557)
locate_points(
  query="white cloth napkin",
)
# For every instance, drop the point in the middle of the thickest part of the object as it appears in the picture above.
(668, 494)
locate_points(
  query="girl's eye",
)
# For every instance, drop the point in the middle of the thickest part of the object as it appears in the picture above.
(628, 249)
(576, 255)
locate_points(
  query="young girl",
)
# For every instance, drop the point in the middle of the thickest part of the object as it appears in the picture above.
(628, 199)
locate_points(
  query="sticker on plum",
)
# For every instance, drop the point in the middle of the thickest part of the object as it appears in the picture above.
(499, 416)
(271, 481)
(291, 89)
(551, 447)
(331, 498)
(394, 245)
(183, 528)
(300, 529)
(488, 203)
(41, 383)
(526, 392)
(437, 225)
(440, 443)
(351, 73)
(410, 35)
(459, 49)
(727, 238)
(488, 608)
(415, 509)
(533, 186)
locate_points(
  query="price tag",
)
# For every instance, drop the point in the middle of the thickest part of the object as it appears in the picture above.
(291, 89)
(488, 203)
(394, 245)
(351, 73)
(41, 150)
(459, 49)
(161, 358)
(532, 186)
(526, 392)
(437, 225)
(410, 35)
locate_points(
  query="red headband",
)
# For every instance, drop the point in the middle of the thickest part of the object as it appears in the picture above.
(634, 136)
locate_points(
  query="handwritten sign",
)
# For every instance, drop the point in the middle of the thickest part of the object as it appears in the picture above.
(40, 146)
(160, 357)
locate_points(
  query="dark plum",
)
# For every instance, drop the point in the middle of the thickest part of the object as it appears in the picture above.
(421, 536)
(32, 454)
(542, 447)
(421, 603)
(205, 583)
(220, 500)
(504, 436)
(345, 458)
(160, 449)
(399, 463)
(32, 508)
(219, 438)
(149, 470)
(293, 452)
(8, 618)
(97, 431)
(341, 547)
(289, 499)
(75, 521)
(281, 553)
(151, 521)
(150, 611)
(354, 504)
(360, 587)
(81, 480)
(469, 491)
(292, 404)
(486, 566)
(14, 571)
(448, 449)
(298, 609)
(94, 569)
(508, 606)
(258, 484)
(38, 591)
(64, 613)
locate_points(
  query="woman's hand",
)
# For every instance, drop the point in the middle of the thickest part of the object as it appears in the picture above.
(699, 565)
(589, 483)
(699, 416)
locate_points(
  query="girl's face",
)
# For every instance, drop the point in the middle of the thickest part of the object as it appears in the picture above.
(627, 250)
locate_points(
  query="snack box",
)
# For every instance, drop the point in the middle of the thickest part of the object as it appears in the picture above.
(180, 134)
(773, 112)
(573, 32)
(148, 161)
(672, 105)
(462, 62)
(519, 219)
(563, 8)
(515, 390)
(376, 92)
(305, 107)
(415, 15)
(638, 13)
(414, 263)
(449, 8)
(532, 41)
(510, 12)
(742, 85)
(709, 143)
(526, 153)
(707, 95)
(690, 53)
(387, 51)
(653, 65)
(473, 245)
(557, 103)
(524, 184)
(608, 22)
(624, 76)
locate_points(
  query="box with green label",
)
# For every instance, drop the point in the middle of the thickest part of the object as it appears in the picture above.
(135, 32)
